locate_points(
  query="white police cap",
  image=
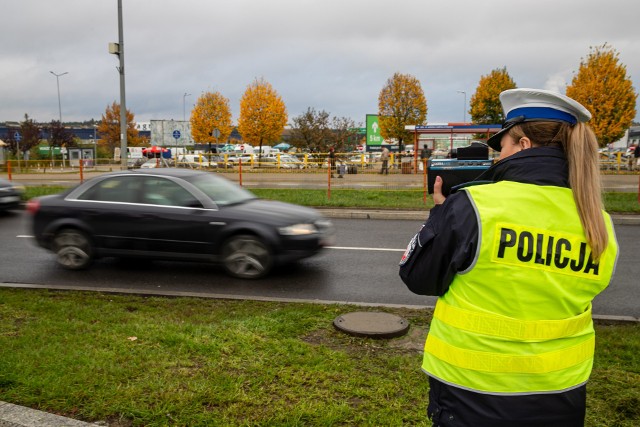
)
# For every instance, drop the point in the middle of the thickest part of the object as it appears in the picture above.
(528, 105)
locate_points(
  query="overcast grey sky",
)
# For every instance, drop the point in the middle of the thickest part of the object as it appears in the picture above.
(327, 54)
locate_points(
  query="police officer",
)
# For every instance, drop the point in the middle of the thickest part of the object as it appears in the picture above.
(516, 262)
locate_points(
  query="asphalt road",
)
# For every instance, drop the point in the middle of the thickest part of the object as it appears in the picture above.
(361, 268)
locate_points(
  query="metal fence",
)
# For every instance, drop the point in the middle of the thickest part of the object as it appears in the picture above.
(350, 171)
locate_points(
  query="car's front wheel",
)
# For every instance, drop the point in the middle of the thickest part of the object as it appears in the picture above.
(247, 257)
(73, 249)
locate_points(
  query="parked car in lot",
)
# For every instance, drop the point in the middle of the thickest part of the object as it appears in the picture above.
(195, 161)
(282, 163)
(10, 194)
(135, 163)
(151, 163)
(175, 214)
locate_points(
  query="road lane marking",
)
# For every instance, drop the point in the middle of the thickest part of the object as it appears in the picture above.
(365, 249)
(346, 248)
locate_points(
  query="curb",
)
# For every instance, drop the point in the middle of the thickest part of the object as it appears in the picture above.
(347, 213)
(19, 416)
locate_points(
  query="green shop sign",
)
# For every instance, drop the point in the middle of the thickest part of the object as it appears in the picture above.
(373, 130)
(45, 149)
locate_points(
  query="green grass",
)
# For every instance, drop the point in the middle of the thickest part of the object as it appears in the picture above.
(372, 199)
(149, 361)
(622, 202)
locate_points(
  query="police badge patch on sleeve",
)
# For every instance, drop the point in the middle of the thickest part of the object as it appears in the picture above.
(410, 248)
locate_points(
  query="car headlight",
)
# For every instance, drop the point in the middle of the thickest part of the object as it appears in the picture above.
(297, 230)
(14, 187)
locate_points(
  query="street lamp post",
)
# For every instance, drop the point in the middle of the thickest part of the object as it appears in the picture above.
(184, 116)
(59, 111)
(464, 107)
(118, 49)
(95, 143)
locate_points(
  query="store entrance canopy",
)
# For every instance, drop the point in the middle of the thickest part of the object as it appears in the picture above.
(452, 129)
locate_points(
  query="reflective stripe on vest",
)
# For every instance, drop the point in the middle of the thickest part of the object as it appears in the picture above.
(496, 362)
(501, 326)
(518, 320)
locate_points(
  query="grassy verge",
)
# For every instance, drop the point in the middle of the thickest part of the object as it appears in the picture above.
(140, 361)
(373, 199)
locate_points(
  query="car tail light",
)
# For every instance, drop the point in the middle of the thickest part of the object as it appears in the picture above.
(33, 206)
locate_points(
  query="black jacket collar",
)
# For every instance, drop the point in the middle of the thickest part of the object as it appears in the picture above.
(539, 166)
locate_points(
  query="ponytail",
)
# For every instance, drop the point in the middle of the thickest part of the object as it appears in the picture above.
(581, 149)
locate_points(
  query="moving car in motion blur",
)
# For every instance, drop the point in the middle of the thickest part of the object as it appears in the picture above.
(10, 195)
(175, 214)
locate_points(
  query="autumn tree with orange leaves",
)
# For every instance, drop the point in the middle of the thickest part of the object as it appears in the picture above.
(109, 129)
(604, 88)
(401, 102)
(485, 102)
(211, 112)
(263, 114)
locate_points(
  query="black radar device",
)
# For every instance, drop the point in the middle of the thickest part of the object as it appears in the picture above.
(465, 164)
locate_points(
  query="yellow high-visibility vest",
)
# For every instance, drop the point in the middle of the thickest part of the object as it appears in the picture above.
(518, 320)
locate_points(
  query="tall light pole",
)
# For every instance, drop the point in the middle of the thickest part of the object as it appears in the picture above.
(184, 117)
(118, 49)
(59, 110)
(58, 84)
(464, 107)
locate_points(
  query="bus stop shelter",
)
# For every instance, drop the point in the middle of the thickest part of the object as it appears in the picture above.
(451, 129)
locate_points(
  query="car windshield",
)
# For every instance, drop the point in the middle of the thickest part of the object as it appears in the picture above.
(220, 190)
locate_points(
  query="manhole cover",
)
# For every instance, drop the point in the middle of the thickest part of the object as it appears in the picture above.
(372, 324)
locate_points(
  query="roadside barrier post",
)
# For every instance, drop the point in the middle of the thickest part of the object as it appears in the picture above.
(81, 170)
(240, 171)
(9, 169)
(424, 181)
(329, 179)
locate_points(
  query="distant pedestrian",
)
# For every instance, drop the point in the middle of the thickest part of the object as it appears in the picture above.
(332, 161)
(385, 161)
(424, 156)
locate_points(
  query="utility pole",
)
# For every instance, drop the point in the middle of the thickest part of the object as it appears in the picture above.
(184, 116)
(464, 107)
(59, 113)
(118, 49)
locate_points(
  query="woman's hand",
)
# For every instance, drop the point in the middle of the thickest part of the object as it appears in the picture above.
(438, 198)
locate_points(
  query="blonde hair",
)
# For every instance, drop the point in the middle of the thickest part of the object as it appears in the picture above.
(581, 150)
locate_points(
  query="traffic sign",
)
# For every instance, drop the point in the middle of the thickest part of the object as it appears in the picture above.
(17, 136)
(176, 134)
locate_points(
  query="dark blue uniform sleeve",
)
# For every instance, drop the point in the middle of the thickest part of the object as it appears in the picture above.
(445, 245)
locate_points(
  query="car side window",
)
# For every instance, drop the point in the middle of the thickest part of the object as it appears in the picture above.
(162, 191)
(122, 189)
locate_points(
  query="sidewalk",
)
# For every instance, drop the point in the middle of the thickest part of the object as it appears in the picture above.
(19, 416)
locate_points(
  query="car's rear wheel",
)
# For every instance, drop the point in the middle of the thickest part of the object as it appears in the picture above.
(73, 249)
(247, 257)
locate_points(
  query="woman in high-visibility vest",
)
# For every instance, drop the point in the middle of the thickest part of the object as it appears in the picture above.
(516, 258)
